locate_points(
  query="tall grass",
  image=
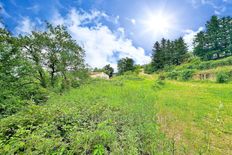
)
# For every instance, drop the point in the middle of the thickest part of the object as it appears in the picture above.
(127, 115)
(116, 117)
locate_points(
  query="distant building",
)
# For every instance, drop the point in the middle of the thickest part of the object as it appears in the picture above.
(100, 75)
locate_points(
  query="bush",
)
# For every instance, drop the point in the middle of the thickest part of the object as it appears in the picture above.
(75, 83)
(186, 74)
(222, 77)
(168, 68)
(173, 75)
(148, 69)
(40, 95)
(13, 99)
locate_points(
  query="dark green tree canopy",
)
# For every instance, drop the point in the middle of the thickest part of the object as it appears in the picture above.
(108, 70)
(216, 41)
(167, 53)
(125, 64)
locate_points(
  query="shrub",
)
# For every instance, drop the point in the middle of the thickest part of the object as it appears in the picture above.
(148, 69)
(168, 68)
(186, 74)
(222, 77)
(40, 95)
(75, 83)
(173, 75)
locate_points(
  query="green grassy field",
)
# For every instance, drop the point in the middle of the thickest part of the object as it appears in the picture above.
(198, 116)
(126, 115)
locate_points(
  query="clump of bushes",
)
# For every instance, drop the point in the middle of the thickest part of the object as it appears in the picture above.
(149, 69)
(186, 74)
(183, 75)
(196, 63)
(222, 77)
(214, 64)
(173, 75)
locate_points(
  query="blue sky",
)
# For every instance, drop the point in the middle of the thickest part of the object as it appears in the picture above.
(112, 29)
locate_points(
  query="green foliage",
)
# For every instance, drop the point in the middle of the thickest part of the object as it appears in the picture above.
(98, 150)
(214, 43)
(108, 70)
(168, 53)
(125, 64)
(103, 117)
(30, 65)
(222, 77)
(16, 77)
(186, 74)
(173, 75)
(196, 65)
(148, 69)
(215, 63)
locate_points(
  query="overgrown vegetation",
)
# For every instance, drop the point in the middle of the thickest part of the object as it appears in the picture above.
(132, 113)
(116, 117)
(187, 70)
(125, 65)
(222, 77)
(33, 65)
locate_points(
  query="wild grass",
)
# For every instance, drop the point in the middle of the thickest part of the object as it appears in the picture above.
(197, 115)
(127, 115)
(116, 117)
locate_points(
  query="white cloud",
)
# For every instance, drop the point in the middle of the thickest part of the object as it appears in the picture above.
(190, 36)
(57, 19)
(25, 26)
(99, 42)
(133, 21)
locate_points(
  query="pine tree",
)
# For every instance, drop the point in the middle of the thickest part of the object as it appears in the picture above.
(167, 53)
(216, 41)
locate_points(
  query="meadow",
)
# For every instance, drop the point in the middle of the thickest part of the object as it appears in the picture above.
(129, 114)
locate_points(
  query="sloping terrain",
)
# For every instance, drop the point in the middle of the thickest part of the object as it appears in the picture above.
(126, 115)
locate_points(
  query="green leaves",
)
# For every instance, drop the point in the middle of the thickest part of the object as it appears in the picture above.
(125, 64)
(168, 53)
(108, 70)
(215, 41)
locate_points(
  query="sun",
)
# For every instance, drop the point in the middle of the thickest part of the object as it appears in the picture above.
(158, 23)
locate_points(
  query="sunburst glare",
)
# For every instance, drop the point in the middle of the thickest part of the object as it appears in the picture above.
(159, 23)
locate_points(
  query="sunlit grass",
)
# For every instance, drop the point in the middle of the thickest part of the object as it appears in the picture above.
(198, 115)
(126, 115)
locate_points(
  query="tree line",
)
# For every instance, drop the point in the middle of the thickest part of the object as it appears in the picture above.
(216, 41)
(213, 43)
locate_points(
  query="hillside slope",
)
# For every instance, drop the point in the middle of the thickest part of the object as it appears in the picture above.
(126, 115)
